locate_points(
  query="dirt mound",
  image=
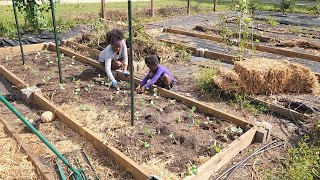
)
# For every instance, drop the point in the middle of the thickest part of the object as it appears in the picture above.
(266, 76)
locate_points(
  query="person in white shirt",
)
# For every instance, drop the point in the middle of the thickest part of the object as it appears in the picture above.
(115, 55)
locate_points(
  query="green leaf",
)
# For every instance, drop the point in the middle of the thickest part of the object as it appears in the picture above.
(234, 129)
(194, 170)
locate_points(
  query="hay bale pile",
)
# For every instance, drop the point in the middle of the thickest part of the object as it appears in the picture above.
(228, 80)
(266, 76)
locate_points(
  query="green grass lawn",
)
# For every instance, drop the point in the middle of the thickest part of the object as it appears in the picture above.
(69, 15)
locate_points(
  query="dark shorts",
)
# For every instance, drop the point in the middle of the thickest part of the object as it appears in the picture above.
(160, 83)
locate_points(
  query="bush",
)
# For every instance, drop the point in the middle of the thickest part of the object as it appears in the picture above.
(287, 5)
(253, 5)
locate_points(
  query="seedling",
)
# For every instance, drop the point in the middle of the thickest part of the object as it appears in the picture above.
(111, 97)
(236, 130)
(46, 78)
(191, 116)
(145, 144)
(150, 132)
(193, 170)
(62, 86)
(76, 91)
(83, 107)
(155, 93)
(81, 68)
(215, 147)
(88, 88)
(178, 120)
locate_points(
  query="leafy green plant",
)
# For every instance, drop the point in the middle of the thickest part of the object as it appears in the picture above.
(205, 80)
(245, 103)
(225, 32)
(149, 132)
(145, 144)
(193, 170)
(83, 107)
(315, 9)
(302, 162)
(33, 13)
(216, 148)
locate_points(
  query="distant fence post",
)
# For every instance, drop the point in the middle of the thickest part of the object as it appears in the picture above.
(103, 9)
(215, 5)
(188, 10)
(152, 8)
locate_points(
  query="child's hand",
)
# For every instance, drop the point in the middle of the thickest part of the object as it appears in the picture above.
(141, 90)
(138, 89)
(125, 73)
(114, 83)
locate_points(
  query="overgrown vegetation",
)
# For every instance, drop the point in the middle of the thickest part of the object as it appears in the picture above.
(303, 160)
(286, 5)
(205, 80)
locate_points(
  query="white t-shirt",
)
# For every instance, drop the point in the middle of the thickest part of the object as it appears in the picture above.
(108, 54)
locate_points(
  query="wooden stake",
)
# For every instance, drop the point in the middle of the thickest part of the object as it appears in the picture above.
(103, 9)
(188, 8)
(152, 8)
(215, 5)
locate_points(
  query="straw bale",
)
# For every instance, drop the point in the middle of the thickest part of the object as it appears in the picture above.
(227, 79)
(266, 76)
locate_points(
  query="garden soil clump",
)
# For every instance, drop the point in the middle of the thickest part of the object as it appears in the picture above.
(166, 133)
(266, 76)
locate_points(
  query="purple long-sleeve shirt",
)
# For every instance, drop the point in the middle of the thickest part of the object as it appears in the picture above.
(159, 72)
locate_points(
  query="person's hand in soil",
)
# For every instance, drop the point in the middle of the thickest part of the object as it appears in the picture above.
(140, 89)
(114, 84)
(126, 73)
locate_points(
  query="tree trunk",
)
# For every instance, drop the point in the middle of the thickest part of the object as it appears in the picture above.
(188, 10)
(152, 8)
(103, 9)
(215, 5)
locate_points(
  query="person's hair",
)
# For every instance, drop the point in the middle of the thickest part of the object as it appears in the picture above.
(114, 36)
(152, 59)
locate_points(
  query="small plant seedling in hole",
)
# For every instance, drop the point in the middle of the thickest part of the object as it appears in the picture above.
(62, 86)
(83, 107)
(76, 91)
(46, 78)
(155, 93)
(216, 148)
(149, 132)
(88, 88)
(145, 144)
(191, 116)
(193, 170)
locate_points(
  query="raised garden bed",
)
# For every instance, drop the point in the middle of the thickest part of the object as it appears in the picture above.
(160, 135)
(61, 136)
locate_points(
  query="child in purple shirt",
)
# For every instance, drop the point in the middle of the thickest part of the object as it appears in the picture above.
(157, 75)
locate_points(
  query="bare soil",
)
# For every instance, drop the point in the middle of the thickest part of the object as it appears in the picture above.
(164, 129)
(64, 139)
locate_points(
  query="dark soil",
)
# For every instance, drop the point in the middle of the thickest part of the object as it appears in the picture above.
(163, 127)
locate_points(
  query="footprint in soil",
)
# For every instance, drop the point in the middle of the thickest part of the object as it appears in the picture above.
(151, 119)
(169, 109)
(163, 130)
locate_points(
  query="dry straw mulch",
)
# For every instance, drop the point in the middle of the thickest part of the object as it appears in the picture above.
(266, 76)
(13, 162)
